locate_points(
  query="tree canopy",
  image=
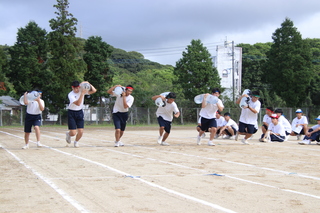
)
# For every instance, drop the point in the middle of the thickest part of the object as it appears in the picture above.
(195, 72)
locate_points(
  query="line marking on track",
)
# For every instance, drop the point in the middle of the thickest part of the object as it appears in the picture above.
(240, 179)
(215, 206)
(51, 184)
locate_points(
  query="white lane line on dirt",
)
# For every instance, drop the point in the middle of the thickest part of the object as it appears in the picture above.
(51, 184)
(215, 206)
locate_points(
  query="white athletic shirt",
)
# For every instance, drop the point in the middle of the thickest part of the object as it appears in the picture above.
(210, 110)
(72, 98)
(33, 107)
(285, 123)
(315, 127)
(167, 111)
(220, 121)
(302, 120)
(279, 129)
(247, 116)
(118, 105)
(231, 123)
(266, 119)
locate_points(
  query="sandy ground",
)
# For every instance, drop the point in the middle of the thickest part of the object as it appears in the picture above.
(143, 176)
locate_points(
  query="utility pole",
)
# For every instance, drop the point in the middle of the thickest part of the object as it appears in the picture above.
(233, 97)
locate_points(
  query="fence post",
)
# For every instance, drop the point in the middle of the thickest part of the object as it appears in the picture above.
(181, 114)
(148, 116)
(0, 116)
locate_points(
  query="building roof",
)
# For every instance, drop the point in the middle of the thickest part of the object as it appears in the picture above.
(9, 101)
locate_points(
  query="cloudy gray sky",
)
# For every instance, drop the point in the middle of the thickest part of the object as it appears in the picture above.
(161, 29)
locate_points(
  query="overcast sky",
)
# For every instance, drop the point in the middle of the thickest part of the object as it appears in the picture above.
(162, 29)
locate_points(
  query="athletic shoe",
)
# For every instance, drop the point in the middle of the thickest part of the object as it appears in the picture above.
(203, 135)
(76, 144)
(160, 139)
(163, 143)
(226, 137)
(262, 139)
(298, 137)
(244, 141)
(198, 140)
(250, 137)
(286, 138)
(39, 144)
(304, 142)
(237, 136)
(116, 144)
(232, 137)
(68, 138)
(25, 146)
(210, 143)
(121, 144)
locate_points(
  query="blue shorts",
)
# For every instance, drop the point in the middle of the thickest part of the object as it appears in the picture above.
(31, 120)
(165, 124)
(75, 119)
(247, 128)
(207, 123)
(120, 120)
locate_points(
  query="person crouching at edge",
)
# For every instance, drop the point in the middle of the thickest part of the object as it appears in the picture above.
(120, 111)
(165, 116)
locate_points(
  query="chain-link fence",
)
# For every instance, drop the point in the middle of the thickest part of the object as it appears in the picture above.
(137, 115)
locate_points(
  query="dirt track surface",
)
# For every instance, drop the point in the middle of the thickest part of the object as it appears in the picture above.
(143, 176)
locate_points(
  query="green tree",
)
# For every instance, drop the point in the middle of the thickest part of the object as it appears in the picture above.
(288, 68)
(6, 88)
(66, 63)
(98, 74)
(195, 72)
(28, 59)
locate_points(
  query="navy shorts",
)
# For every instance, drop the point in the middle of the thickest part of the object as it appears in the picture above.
(31, 120)
(228, 133)
(120, 120)
(75, 119)
(247, 128)
(208, 123)
(165, 124)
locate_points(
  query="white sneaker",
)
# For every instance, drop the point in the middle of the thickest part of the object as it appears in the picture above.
(68, 138)
(244, 141)
(262, 139)
(121, 144)
(237, 136)
(298, 137)
(233, 137)
(160, 139)
(287, 137)
(198, 140)
(304, 142)
(39, 144)
(163, 143)
(116, 144)
(226, 137)
(76, 144)
(203, 135)
(210, 143)
(25, 146)
(250, 138)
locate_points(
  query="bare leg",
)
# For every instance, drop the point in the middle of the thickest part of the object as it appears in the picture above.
(26, 137)
(117, 134)
(165, 136)
(213, 131)
(79, 134)
(37, 131)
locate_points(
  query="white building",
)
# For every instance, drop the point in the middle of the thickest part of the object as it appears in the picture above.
(228, 61)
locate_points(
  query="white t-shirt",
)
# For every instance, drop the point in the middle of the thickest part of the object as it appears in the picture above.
(279, 129)
(295, 121)
(315, 127)
(231, 123)
(210, 110)
(247, 116)
(266, 119)
(118, 105)
(167, 111)
(220, 121)
(33, 107)
(285, 123)
(72, 98)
